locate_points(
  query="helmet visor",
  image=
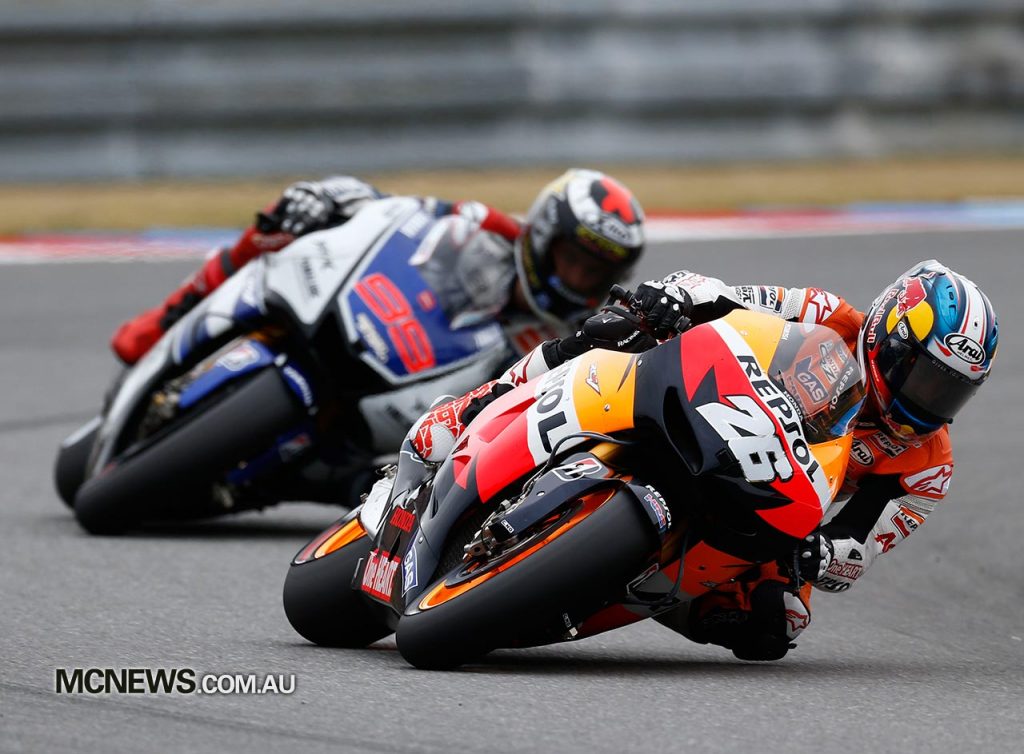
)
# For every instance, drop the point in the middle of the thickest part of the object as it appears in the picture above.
(924, 389)
(579, 274)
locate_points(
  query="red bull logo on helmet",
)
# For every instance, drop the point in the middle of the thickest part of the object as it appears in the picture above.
(913, 293)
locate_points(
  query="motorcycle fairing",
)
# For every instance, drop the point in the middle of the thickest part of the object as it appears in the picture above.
(517, 433)
(303, 278)
(731, 407)
(237, 301)
(394, 314)
(705, 568)
(241, 359)
(300, 282)
(510, 439)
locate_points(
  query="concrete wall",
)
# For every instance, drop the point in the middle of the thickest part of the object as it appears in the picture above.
(112, 88)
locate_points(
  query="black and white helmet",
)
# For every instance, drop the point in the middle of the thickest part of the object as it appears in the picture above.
(588, 213)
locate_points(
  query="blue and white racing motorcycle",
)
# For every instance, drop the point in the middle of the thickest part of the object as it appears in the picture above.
(292, 381)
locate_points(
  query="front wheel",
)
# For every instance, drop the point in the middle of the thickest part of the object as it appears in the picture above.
(73, 461)
(165, 479)
(564, 576)
(319, 600)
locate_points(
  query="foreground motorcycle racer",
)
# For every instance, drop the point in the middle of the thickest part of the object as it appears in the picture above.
(583, 233)
(926, 344)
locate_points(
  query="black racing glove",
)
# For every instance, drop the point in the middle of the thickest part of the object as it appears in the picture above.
(814, 555)
(665, 308)
(613, 330)
(303, 207)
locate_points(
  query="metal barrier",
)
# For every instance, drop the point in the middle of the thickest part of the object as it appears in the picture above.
(113, 88)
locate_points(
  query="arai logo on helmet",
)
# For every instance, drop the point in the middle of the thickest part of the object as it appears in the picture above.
(966, 348)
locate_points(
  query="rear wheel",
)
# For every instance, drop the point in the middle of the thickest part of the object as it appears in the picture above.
(166, 479)
(319, 599)
(566, 574)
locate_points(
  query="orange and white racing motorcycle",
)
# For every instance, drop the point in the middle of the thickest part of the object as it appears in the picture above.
(611, 489)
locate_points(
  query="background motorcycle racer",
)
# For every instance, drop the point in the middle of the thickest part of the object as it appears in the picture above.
(926, 345)
(583, 233)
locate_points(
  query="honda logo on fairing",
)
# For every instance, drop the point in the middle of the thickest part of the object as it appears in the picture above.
(966, 348)
(579, 469)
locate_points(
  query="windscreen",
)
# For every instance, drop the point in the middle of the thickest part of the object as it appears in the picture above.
(813, 365)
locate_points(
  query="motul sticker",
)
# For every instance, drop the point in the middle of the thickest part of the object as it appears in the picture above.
(931, 482)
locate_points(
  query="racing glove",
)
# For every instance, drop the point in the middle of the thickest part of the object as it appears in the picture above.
(609, 329)
(306, 206)
(666, 308)
(814, 556)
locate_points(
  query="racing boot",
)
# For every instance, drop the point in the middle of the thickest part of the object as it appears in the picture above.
(758, 624)
(136, 336)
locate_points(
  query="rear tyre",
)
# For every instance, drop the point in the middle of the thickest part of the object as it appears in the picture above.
(322, 606)
(166, 479)
(575, 574)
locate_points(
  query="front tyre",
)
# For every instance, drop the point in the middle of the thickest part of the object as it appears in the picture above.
(73, 460)
(165, 479)
(572, 574)
(318, 597)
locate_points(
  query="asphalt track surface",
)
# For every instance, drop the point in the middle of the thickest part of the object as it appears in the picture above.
(926, 654)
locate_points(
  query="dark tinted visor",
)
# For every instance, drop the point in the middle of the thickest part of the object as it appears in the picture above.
(922, 387)
(581, 273)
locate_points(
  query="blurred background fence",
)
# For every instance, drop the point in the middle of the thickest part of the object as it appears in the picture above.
(151, 88)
